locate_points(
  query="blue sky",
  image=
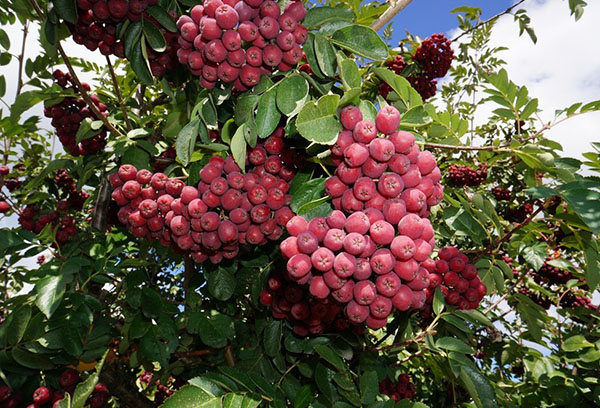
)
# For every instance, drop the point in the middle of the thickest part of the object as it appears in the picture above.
(426, 17)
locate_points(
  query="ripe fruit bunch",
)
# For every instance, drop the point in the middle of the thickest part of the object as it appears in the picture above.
(308, 314)
(31, 219)
(237, 41)
(68, 115)
(359, 261)
(423, 84)
(457, 279)
(402, 389)
(552, 275)
(163, 391)
(572, 300)
(501, 194)
(4, 206)
(520, 213)
(466, 176)
(388, 173)
(226, 209)
(75, 198)
(99, 21)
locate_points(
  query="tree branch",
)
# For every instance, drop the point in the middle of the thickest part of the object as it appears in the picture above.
(475, 27)
(120, 385)
(100, 217)
(118, 93)
(396, 6)
(460, 147)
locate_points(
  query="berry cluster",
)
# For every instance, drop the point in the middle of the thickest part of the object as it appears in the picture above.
(4, 206)
(457, 279)
(537, 298)
(359, 261)
(572, 301)
(402, 389)
(30, 219)
(501, 194)
(240, 40)
(466, 176)
(434, 55)
(44, 397)
(164, 159)
(227, 208)
(163, 391)
(100, 20)
(520, 213)
(552, 275)
(68, 115)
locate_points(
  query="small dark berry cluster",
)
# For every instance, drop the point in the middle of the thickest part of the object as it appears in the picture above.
(162, 391)
(551, 275)
(402, 389)
(75, 198)
(572, 301)
(520, 213)
(537, 298)
(457, 279)
(4, 206)
(501, 194)
(435, 55)
(369, 262)
(30, 219)
(423, 84)
(100, 20)
(165, 159)
(240, 40)
(68, 115)
(465, 176)
(12, 183)
(44, 397)
(227, 208)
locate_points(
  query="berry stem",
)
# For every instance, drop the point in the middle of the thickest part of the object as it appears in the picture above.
(118, 93)
(84, 94)
(459, 147)
(396, 6)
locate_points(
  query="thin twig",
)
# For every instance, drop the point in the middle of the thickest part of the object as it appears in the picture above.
(475, 27)
(196, 353)
(118, 93)
(82, 91)
(396, 6)
(460, 147)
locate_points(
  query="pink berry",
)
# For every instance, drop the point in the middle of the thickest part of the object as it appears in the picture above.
(350, 116)
(387, 119)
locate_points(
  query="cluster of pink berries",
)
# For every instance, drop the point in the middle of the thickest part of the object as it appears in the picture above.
(68, 115)
(30, 219)
(457, 279)
(466, 176)
(99, 21)
(240, 40)
(226, 209)
(45, 397)
(358, 262)
(402, 389)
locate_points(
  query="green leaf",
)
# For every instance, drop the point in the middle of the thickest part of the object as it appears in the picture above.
(50, 291)
(31, 360)
(163, 17)
(86, 130)
(369, 387)
(152, 303)
(71, 340)
(304, 397)
(361, 40)
(206, 385)
(318, 122)
(155, 37)
(85, 388)
(140, 64)
(585, 204)
(272, 338)
(311, 56)
(438, 302)
(325, 54)
(186, 140)
(17, 324)
(535, 254)
(349, 73)
(478, 387)
(232, 400)
(292, 93)
(267, 115)
(132, 38)
(592, 270)
(401, 86)
(214, 329)
(331, 357)
(244, 108)
(136, 156)
(576, 343)
(238, 145)
(317, 16)
(309, 191)
(221, 282)
(453, 344)
(66, 9)
(189, 396)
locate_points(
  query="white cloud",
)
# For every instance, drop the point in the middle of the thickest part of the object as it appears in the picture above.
(561, 69)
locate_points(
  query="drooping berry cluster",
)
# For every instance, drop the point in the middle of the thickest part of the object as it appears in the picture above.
(44, 397)
(457, 279)
(99, 21)
(465, 176)
(501, 194)
(68, 115)
(572, 301)
(30, 219)
(374, 261)
(520, 213)
(551, 275)
(226, 209)
(401, 389)
(240, 40)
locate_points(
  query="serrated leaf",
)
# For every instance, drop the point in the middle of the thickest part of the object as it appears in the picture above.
(291, 94)
(369, 387)
(576, 343)
(272, 338)
(221, 283)
(361, 40)
(317, 121)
